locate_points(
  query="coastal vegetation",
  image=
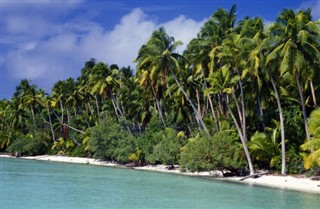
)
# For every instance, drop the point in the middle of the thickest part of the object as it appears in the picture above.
(242, 96)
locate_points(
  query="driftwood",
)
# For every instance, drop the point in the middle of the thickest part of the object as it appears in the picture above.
(315, 178)
(256, 175)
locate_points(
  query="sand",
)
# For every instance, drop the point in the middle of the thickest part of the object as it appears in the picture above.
(301, 184)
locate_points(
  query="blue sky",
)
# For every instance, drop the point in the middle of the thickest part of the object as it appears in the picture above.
(49, 40)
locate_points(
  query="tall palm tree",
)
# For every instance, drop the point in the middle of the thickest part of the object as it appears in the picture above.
(158, 55)
(47, 104)
(296, 42)
(223, 82)
(26, 94)
(209, 38)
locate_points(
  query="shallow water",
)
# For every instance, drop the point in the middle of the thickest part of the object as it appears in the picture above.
(32, 184)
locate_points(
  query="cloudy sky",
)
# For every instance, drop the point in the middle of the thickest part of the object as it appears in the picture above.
(49, 40)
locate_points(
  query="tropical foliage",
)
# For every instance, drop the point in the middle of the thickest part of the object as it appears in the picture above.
(237, 98)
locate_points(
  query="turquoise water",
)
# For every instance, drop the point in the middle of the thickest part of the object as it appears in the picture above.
(31, 184)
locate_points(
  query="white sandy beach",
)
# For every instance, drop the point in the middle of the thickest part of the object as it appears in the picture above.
(281, 182)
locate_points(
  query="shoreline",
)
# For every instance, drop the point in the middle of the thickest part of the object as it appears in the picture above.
(280, 182)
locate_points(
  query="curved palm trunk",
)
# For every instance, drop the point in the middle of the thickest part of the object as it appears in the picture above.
(237, 106)
(244, 123)
(283, 144)
(213, 114)
(243, 141)
(115, 108)
(303, 107)
(198, 116)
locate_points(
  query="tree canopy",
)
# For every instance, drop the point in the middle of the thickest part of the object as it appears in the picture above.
(238, 98)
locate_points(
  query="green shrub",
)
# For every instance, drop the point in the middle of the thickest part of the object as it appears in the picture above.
(168, 150)
(29, 144)
(196, 155)
(221, 151)
(149, 138)
(294, 163)
(108, 139)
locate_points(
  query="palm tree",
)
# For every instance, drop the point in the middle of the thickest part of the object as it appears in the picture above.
(158, 56)
(210, 37)
(251, 33)
(222, 82)
(47, 104)
(296, 42)
(84, 88)
(6, 132)
(260, 46)
(26, 94)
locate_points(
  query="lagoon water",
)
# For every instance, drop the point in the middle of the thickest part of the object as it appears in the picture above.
(32, 184)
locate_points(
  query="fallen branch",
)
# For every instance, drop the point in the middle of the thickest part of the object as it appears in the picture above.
(64, 124)
(315, 178)
(256, 175)
(74, 128)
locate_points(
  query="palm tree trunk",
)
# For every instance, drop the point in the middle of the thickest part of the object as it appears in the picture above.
(237, 106)
(97, 106)
(283, 143)
(75, 110)
(313, 95)
(88, 106)
(303, 107)
(63, 124)
(243, 141)
(244, 123)
(50, 123)
(198, 102)
(198, 116)
(68, 115)
(85, 118)
(51, 127)
(260, 111)
(213, 113)
(75, 129)
(158, 105)
(115, 108)
(33, 118)
(61, 106)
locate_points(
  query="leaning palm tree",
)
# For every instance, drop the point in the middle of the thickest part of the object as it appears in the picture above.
(222, 82)
(158, 56)
(256, 65)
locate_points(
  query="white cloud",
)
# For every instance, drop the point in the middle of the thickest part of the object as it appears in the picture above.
(45, 50)
(124, 41)
(314, 5)
(183, 29)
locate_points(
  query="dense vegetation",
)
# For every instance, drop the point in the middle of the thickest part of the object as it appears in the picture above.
(237, 98)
